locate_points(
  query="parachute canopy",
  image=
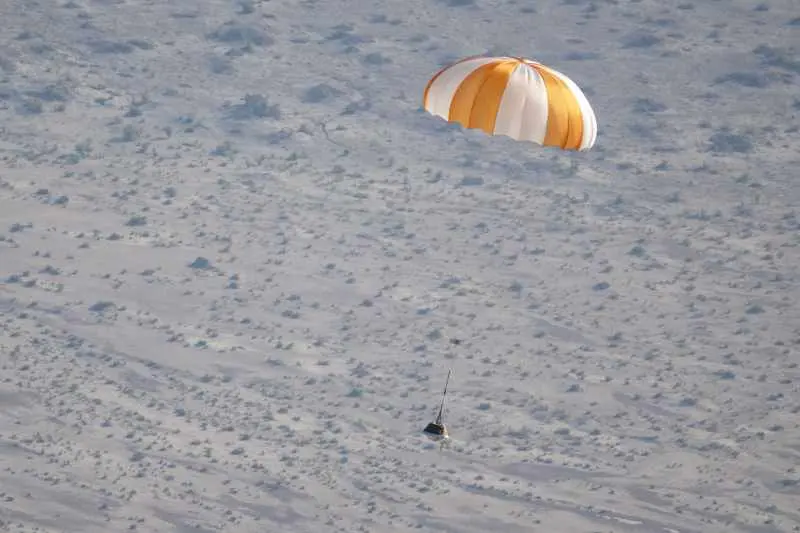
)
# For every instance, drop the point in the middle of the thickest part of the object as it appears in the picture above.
(516, 97)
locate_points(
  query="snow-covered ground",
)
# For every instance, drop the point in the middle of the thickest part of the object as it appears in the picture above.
(234, 252)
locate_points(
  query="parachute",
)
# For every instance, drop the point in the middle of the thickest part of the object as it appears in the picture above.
(515, 97)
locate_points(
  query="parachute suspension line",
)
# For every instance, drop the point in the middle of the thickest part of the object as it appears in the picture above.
(440, 416)
(323, 125)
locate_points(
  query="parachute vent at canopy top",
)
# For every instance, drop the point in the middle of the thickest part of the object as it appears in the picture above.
(516, 97)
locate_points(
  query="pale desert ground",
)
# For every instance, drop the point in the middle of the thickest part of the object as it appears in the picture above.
(234, 252)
